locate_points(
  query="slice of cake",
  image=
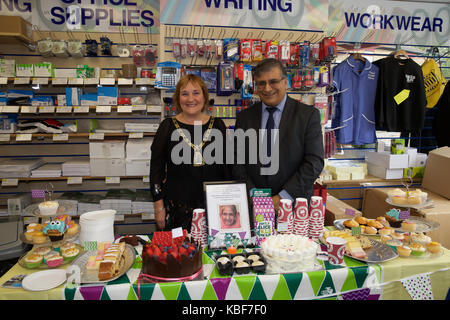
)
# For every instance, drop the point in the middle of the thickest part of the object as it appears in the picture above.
(106, 270)
(355, 250)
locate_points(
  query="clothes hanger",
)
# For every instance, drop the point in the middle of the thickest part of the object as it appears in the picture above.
(357, 55)
(399, 53)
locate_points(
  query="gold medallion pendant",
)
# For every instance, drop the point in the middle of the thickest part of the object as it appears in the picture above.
(198, 160)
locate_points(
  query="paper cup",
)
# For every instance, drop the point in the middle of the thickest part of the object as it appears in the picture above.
(336, 249)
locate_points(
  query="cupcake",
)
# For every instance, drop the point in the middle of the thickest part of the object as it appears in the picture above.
(408, 226)
(397, 236)
(48, 208)
(242, 267)
(370, 230)
(404, 251)
(238, 258)
(29, 235)
(421, 238)
(73, 229)
(54, 261)
(55, 230)
(33, 261)
(385, 231)
(70, 254)
(66, 246)
(434, 247)
(34, 227)
(385, 238)
(417, 249)
(42, 250)
(50, 255)
(39, 237)
(393, 222)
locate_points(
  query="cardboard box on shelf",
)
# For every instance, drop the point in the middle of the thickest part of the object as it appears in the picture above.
(139, 149)
(387, 160)
(437, 176)
(384, 173)
(107, 167)
(347, 170)
(137, 167)
(107, 149)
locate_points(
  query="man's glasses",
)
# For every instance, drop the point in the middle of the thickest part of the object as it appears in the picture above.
(271, 82)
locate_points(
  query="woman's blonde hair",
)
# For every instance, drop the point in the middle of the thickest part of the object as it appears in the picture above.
(194, 79)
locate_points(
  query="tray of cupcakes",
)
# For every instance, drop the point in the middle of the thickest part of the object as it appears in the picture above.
(241, 263)
(414, 245)
(368, 226)
(60, 228)
(50, 256)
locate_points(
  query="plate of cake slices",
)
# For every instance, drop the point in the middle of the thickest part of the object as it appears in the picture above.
(108, 264)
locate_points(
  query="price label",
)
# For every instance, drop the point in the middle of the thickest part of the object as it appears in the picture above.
(75, 81)
(146, 179)
(3, 80)
(24, 137)
(74, 180)
(139, 107)
(177, 232)
(156, 109)
(43, 81)
(143, 81)
(124, 81)
(10, 109)
(119, 217)
(136, 135)
(91, 81)
(103, 109)
(147, 216)
(28, 109)
(81, 109)
(47, 109)
(59, 81)
(124, 109)
(10, 182)
(112, 180)
(350, 212)
(63, 109)
(60, 136)
(5, 137)
(25, 80)
(96, 136)
(107, 81)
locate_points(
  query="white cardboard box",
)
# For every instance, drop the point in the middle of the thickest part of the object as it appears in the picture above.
(412, 155)
(387, 160)
(107, 167)
(107, 149)
(384, 173)
(139, 149)
(137, 167)
(421, 160)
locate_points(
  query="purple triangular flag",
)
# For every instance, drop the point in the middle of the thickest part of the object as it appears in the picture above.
(220, 287)
(214, 232)
(242, 234)
(91, 293)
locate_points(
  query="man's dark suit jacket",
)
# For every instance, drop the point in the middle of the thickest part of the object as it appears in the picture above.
(301, 150)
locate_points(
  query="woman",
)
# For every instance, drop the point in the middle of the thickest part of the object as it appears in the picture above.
(229, 217)
(177, 188)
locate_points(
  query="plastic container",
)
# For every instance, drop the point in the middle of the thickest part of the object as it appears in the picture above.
(97, 226)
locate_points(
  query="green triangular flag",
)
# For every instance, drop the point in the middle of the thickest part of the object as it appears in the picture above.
(360, 275)
(316, 279)
(245, 285)
(282, 290)
(170, 290)
(146, 290)
(209, 293)
(350, 282)
(105, 296)
(131, 294)
(293, 281)
(183, 294)
(137, 263)
(327, 286)
(122, 279)
(257, 291)
(350, 262)
(69, 293)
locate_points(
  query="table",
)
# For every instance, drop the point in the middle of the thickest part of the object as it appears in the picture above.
(355, 280)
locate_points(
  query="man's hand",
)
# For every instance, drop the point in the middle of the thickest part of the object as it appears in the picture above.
(276, 202)
(160, 214)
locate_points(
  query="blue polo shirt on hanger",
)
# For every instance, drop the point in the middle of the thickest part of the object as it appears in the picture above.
(354, 113)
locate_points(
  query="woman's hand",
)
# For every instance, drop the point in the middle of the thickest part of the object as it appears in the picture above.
(160, 214)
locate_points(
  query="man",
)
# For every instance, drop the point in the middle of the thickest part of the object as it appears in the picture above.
(300, 138)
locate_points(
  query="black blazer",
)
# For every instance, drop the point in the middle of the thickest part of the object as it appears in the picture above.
(301, 150)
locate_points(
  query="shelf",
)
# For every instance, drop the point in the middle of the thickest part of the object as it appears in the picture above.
(65, 178)
(124, 109)
(26, 80)
(61, 137)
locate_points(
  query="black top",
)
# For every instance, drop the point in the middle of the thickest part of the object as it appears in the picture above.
(184, 181)
(396, 75)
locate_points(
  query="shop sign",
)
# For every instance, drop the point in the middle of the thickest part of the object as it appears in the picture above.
(86, 15)
(390, 22)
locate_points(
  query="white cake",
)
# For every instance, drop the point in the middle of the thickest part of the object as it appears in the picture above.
(289, 253)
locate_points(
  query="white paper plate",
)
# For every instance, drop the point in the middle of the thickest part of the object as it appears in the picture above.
(44, 280)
